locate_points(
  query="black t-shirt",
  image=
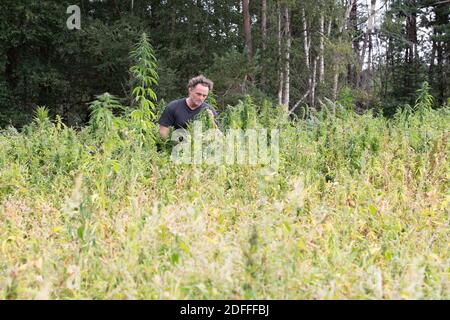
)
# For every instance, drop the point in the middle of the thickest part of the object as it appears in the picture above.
(177, 114)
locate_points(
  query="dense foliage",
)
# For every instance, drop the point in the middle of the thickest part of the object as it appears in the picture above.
(357, 209)
(354, 205)
(380, 61)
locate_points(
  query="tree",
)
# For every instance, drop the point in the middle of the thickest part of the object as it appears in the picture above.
(247, 29)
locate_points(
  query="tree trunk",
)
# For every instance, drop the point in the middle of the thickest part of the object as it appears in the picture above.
(306, 47)
(345, 23)
(280, 57)
(440, 70)
(335, 81)
(367, 44)
(264, 25)
(370, 29)
(432, 61)
(329, 28)
(321, 51)
(389, 65)
(353, 27)
(287, 32)
(410, 75)
(442, 52)
(247, 30)
(411, 34)
(306, 41)
(313, 84)
(263, 43)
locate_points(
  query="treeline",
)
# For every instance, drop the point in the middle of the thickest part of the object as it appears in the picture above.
(369, 54)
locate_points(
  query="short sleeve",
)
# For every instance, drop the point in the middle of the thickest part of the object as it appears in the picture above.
(167, 118)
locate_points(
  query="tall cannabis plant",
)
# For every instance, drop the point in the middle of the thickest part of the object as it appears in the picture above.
(425, 100)
(102, 118)
(144, 78)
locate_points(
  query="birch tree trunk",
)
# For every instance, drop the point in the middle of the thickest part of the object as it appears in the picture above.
(306, 41)
(335, 82)
(321, 50)
(345, 23)
(313, 84)
(367, 44)
(280, 57)
(370, 29)
(306, 47)
(287, 32)
(432, 60)
(329, 28)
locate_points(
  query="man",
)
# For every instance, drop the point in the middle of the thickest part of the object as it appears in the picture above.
(179, 112)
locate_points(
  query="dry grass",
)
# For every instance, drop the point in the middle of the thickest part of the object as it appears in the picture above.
(358, 210)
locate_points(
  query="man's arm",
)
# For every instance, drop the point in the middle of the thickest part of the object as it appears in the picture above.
(163, 131)
(166, 120)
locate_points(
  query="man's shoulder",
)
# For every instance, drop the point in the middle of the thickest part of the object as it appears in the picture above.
(176, 103)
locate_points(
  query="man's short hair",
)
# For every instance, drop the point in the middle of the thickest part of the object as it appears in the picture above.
(201, 79)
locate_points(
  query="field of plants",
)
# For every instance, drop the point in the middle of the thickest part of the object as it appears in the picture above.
(358, 209)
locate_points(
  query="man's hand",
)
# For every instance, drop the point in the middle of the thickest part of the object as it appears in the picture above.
(163, 132)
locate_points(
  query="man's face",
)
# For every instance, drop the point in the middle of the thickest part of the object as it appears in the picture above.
(198, 94)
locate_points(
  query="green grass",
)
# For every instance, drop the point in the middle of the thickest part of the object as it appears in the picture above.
(357, 210)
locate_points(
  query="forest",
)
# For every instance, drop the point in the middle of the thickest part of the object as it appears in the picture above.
(350, 98)
(373, 54)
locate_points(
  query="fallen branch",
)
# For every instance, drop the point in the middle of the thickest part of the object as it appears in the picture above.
(291, 111)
